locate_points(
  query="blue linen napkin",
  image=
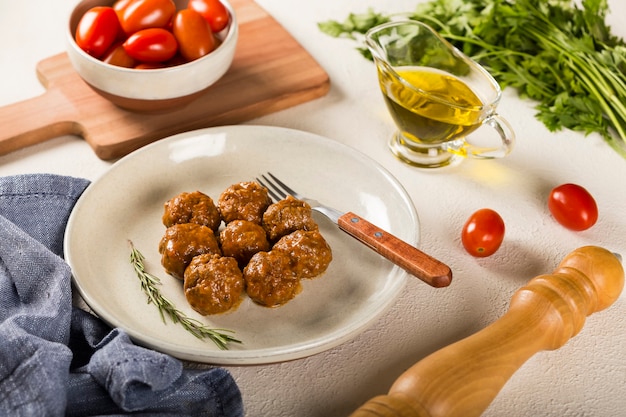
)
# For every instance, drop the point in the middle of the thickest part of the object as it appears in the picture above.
(58, 360)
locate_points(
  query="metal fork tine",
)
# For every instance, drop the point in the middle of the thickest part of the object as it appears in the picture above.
(276, 193)
(275, 197)
(283, 185)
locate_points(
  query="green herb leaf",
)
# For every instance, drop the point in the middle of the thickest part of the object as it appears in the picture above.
(353, 24)
(555, 52)
(149, 285)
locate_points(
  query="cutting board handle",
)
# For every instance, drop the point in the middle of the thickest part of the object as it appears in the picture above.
(36, 120)
(463, 379)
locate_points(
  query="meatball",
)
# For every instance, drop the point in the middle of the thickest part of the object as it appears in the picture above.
(241, 239)
(287, 216)
(195, 207)
(308, 251)
(213, 284)
(270, 280)
(244, 201)
(181, 242)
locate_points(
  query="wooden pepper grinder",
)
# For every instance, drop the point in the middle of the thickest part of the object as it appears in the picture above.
(462, 379)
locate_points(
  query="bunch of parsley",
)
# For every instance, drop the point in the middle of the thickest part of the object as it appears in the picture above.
(552, 51)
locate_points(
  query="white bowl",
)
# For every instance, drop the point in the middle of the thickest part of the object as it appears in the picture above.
(152, 90)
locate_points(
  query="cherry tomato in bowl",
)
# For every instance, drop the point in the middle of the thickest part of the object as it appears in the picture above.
(116, 55)
(97, 30)
(483, 233)
(193, 34)
(151, 45)
(145, 14)
(573, 207)
(213, 12)
(119, 6)
(170, 83)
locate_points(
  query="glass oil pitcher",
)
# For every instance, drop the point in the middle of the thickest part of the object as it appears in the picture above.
(436, 96)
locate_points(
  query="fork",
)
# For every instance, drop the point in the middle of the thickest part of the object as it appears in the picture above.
(406, 256)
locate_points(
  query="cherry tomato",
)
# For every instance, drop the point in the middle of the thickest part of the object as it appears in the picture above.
(151, 45)
(119, 6)
(145, 14)
(116, 55)
(573, 207)
(213, 12)
(483, 233)
(97, 30)
(150, 65)
(193, 34)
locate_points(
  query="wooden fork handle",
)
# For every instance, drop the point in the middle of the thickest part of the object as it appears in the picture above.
(408, 257)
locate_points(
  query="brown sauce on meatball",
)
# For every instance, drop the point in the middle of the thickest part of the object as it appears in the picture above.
(244, 201)
(241, 239)
(287, 216)
(308, 251)
(195, 207)
(181, 242)
(213, 284)
(270, 280)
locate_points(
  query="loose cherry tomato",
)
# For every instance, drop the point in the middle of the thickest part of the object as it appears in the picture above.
(483, 233)
(193, 34)
(213, 12)
(145, 14)
(573, 207)
(97, 30)
(116, 55)
(151, 45)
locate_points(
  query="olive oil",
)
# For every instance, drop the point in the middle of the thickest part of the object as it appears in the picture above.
(438, 109)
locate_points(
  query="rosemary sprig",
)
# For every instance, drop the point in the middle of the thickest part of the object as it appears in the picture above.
(149, 285)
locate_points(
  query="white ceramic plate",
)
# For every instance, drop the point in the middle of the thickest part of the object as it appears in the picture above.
(127, 203)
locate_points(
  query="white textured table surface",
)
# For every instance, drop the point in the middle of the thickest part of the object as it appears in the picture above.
(587, 377)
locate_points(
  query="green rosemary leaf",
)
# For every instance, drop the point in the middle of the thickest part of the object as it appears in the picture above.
(149, 285)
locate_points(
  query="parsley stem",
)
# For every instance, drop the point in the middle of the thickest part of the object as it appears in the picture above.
(593, 79)
(560, 53)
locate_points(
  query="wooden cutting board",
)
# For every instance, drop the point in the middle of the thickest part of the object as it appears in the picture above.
(270, 72)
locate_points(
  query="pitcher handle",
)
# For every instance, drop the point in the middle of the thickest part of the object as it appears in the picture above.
(504, 130)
